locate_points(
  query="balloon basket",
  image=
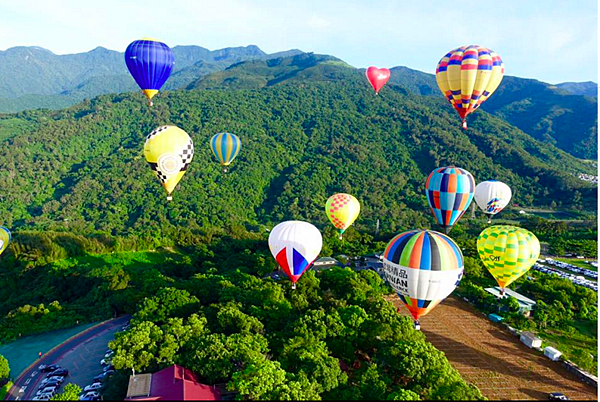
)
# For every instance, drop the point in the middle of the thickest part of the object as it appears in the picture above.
(293, 286)
(340, 237)
(150, 103)
(417, 325)
(169, 198)
(464, 124)
(489, 220)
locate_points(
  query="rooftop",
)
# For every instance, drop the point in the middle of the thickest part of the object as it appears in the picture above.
(520, 298)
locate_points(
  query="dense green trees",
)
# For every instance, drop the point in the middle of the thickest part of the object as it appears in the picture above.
(4, 368)
(69, 393)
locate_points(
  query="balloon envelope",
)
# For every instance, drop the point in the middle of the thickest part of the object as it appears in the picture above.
(342, 210)
(449, 191)
(423, 267)
(378, 77)
(225, 147)
(169, 151)
(507, 252)
(4, 238)
(468, 76)
(150, 63)
(295, 245)
(492, 196)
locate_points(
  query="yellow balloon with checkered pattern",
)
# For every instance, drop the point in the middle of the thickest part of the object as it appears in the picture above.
(342, 210)
(4, 238)
(507, 252)
(169, 151)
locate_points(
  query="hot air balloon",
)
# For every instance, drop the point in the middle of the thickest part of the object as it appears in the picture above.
(467, 76)
(295, 245)
(423, 267)
(342, 210)
(492, 196)
(449, 192)
(4, 238)
(507, 252)
(378, 77)
(225, 147)
(150, 63)
(169, 151)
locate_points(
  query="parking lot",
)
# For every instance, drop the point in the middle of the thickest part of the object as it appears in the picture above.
(80, 355)
(577, 275)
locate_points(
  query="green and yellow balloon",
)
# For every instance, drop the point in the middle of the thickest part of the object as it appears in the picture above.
(4, 238)
(507, 252)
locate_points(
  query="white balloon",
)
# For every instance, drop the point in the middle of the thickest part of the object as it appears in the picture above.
(492, 196)
(295, 245)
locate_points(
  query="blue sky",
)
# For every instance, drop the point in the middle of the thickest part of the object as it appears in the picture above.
(550, 40)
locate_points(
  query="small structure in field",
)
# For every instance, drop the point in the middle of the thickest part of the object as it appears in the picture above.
(552, 353)
(531, 340)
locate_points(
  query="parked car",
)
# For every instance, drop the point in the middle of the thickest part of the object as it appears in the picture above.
(48, 367)
(109, 367)
(106, 361)
(104, 376)
(51, 383)
(56, 378)
(92, 387)
(109, 354)
(45, 397)
(557, 396)
(46, 390)
(90, 396)
(60, 372)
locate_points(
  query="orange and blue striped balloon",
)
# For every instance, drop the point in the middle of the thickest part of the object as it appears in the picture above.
(225, 147)
(449, 192)
(467, 76)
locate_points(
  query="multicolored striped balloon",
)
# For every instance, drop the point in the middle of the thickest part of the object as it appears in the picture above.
(507, 252)
(468, 76)
(225, 147)
(342, 210)
(423, 267)
(4, 238)
(150, 63)
(449, 192)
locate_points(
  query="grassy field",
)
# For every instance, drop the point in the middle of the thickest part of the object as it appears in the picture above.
(578, 262)
(576, 345)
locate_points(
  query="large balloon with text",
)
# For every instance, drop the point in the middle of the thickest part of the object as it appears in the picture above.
(423, 267)
(4, 238)
(468, 76)
(295, 245)
(150, 62)
(377, 77)
(492, 196)
(449, 191)
(342, 210)
(169, 151)
(507, 252)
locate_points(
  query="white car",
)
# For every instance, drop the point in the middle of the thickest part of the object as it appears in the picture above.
(89, 395)
(93, 387)
(106, 362)
(109, 354)
(45, 397)
(56, 378)
(47, 390)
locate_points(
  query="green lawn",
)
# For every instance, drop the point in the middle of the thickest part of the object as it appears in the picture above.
(578, 262)
(577, 345)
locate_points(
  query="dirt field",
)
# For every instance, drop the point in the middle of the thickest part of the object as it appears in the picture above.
(488, 356)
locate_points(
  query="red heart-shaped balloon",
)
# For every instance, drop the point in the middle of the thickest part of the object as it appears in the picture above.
(378, 77)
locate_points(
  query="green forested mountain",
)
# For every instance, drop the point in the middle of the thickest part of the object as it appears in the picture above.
(82, 169)
(33, 77)
(588, 88)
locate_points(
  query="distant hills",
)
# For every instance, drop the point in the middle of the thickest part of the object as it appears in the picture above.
(31, 77)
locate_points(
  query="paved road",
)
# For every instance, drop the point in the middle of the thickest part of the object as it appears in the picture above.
(491, 358)
(81, 355)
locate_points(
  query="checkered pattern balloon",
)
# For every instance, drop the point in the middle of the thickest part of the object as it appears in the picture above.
(507, 252)
(169, 151)
(449, 192)
(342, 210)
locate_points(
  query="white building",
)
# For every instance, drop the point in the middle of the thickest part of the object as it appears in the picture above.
(531, 340)
(552, 353)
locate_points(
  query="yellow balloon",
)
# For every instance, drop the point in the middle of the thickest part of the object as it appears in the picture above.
(342, 210)
(4, 238)
(169, 151)
(507, 252)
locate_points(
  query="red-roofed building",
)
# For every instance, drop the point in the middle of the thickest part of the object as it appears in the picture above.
(174, 383)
